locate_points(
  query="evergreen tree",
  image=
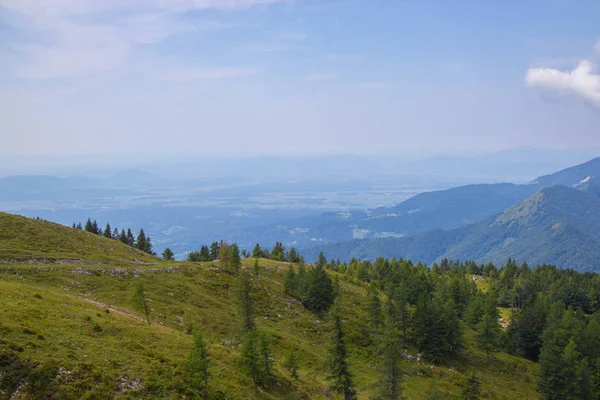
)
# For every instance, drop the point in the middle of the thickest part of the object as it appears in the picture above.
(148, 246)
(199, 364)
(224, 256)
(74, 226)
(140, 242)
(130, 238)
(265, 356)
(139, 300)
(193, 256)
(319, 293)
(389, 368)
(168, 255)
(235, 262)
(488, 334)
(374, 308)
(89, 227)
(250, 362)
(79, 226)
(256, 252)
(214, 251)
(291, 363)
(95, 228)
(245, 302)
(123, 237)
(278, 252)
(293, 256)
(472, 389)
(340, 377)
(204, 253)
(107, 232)
(115, 234)
(289, 283)
(321, 260)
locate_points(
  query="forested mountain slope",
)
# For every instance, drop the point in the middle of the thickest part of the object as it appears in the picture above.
(74, 331)
(558, 225)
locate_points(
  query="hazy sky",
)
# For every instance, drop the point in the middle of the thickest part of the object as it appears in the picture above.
(297, 76)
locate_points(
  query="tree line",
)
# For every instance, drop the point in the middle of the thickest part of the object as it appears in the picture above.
(141, 242)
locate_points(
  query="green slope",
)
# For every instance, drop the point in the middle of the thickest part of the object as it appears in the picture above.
(24, 239)
(57, 338)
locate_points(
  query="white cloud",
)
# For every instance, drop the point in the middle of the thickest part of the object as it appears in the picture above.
(319, 77)
(76, 38)
(582, 81)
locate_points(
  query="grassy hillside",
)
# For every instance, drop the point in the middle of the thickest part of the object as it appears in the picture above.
(25, 239)
(558, 226)
(69, 331)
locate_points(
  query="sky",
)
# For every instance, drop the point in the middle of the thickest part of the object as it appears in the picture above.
(250, 77)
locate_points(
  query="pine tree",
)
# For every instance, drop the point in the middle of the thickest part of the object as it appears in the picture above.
(79, 226)
(265, 356)
(168, 255)
(320, 292)
(488, 334)
(245, 302)
(204, 253)
(214, 251)
(235, 262)
(291, 363)
(95, 228)
(115, 234)
(374, 308)
(199, 364)
(140, 242)
(123, 237)
(107, 232)
(289, 283)
(389, 368)
(293, 256)
(250, 362)
(321, 260)
(89, 227)
(278, 252)
(472, 389)
(148, 246)
(130, 238)
(340, 377)
(256, 252)
(139, 301)
(224, 256)
(74, 226)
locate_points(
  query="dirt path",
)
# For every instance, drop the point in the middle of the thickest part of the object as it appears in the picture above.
(123, 313)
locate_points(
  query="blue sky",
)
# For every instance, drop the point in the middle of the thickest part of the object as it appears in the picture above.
(230, 77)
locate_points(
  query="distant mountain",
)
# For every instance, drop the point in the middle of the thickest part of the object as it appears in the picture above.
(559, 225)
(572, 176)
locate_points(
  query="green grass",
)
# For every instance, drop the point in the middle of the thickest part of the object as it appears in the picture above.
(47, 322)
(24, 238)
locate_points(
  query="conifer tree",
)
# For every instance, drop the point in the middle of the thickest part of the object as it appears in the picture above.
(339, 377)
(140, 242)
(320, 292)
(107, 232)
(289, 283)
(374, 308)
(74, 226)
(278, 252)
(123, 237)
(148, 246)
(204, 253)
(214, 251)
(293, 256)
(321, 260)
(245, 302)
(265, 356)
(89, 227)
(130, 238)
(256, 252)
(235, 262)
(251, 363)
(115, 234)
(488, 334)
(472, 389)
(224, 256)
(168, 255)
(79, 226)
(256, 267)
(199, 365)
(95, 228)
(389, 368)
(139, 300)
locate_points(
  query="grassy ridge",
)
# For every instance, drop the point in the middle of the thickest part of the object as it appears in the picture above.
(51, 332)
(23, 238)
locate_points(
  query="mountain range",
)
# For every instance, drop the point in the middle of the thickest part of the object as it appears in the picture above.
(554, 219)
